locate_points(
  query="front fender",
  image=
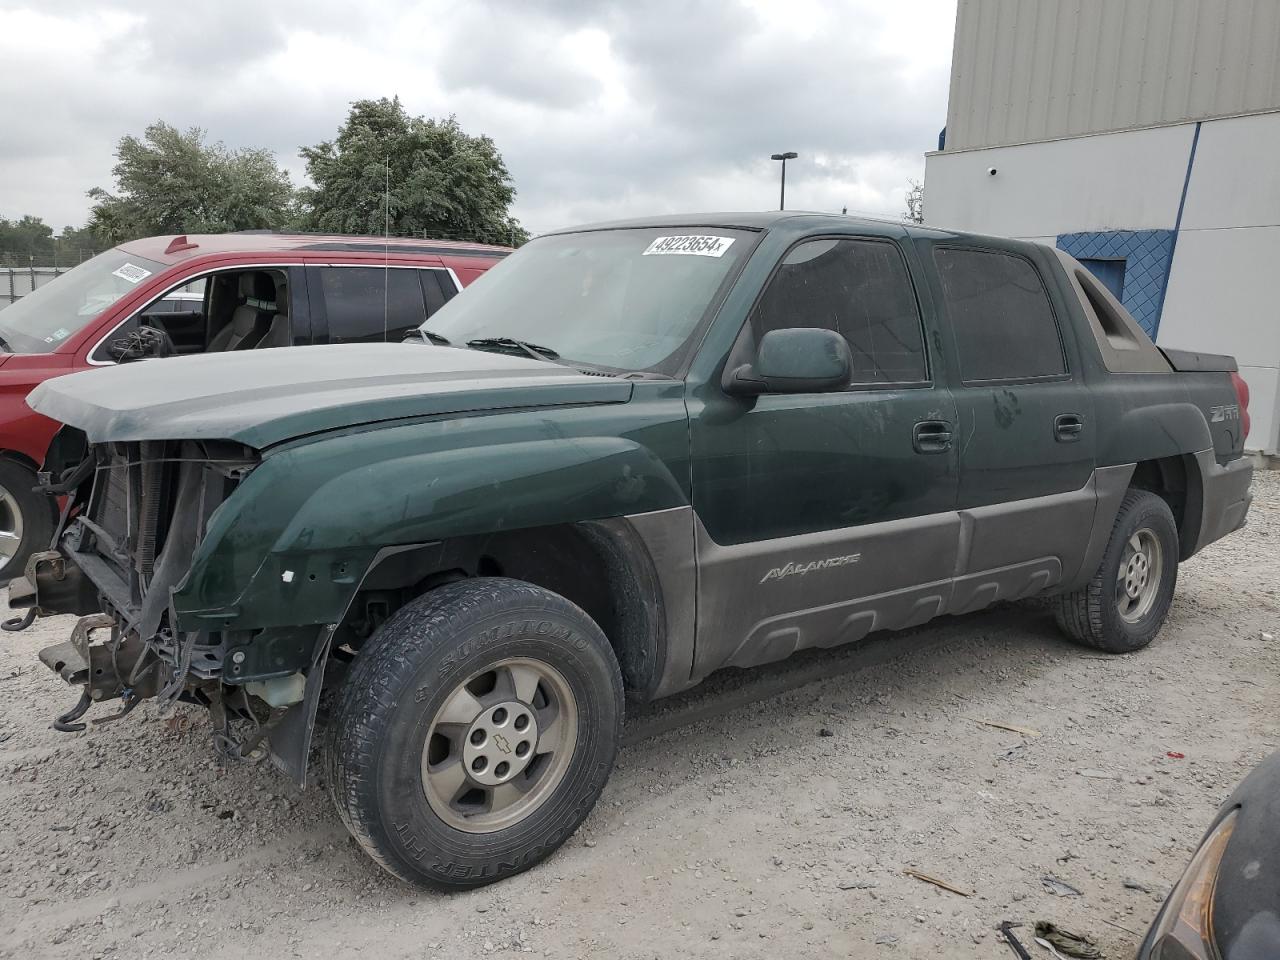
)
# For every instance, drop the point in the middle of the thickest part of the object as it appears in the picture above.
(430, 496)
(291, 545)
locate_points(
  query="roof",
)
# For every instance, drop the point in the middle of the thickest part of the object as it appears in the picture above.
(174, 249)
(748, 220)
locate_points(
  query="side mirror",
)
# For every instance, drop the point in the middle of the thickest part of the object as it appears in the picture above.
(144, 343)
(799, 360)
(119, 348)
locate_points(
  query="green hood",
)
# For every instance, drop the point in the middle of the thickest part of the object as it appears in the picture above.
(264, 397)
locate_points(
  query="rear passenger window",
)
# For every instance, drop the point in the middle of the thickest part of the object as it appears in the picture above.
(437, 287)
(355, 298)
(861, 290)
(1003, 321)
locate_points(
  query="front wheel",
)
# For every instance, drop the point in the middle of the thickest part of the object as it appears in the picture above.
(26, 519)
(1125, 604)
(475, 732)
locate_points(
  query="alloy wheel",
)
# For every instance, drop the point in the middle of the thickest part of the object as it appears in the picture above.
(499, 745)
(10, 527)
(1138, 579)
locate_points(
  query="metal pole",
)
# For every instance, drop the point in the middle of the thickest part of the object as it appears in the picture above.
(782, 191)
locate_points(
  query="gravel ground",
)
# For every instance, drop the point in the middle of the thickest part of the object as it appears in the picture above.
(771, 812)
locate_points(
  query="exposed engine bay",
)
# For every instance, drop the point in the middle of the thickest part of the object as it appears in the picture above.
(132, 516)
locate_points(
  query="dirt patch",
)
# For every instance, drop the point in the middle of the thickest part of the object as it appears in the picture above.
(772, 811)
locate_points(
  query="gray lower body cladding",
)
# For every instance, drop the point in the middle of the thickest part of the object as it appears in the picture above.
(763, 601)
(1225, 496)
(757, 602)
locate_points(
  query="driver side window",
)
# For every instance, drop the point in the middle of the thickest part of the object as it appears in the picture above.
(861, 290)
(228, 310)
(180, 314)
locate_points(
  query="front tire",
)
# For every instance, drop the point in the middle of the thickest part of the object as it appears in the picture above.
(474, 732)
(26, 519)
(1125, 604)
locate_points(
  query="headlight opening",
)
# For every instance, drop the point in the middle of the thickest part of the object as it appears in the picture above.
(1188, 917)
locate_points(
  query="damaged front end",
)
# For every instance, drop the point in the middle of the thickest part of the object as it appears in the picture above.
(132, 519)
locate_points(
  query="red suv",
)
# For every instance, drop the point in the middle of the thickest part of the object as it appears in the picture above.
(237, 291)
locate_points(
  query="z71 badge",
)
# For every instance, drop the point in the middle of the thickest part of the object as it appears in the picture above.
(1224, 412)
(791, 569)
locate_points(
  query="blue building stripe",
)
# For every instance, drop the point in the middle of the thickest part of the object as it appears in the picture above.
(1186, 180)
(1177, 223)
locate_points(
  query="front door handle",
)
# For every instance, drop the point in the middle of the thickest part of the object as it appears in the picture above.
(931, 436)
(1067, 427)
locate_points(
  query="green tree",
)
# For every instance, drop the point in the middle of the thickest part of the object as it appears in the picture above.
(29, 240)
(173, 182)
(443, 182)
(25, 239)
(78, 241)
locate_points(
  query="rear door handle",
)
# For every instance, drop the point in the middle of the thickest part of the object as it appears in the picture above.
(1067, 427)
(931, 436)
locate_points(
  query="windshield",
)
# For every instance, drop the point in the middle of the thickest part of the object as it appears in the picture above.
(48, 315)
(618, 299)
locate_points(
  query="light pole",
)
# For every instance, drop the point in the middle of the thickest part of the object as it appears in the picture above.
(784, 157)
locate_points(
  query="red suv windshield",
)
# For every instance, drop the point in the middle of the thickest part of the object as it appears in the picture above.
(48, 315)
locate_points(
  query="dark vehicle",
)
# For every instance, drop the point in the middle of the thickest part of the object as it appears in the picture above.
(627, 457)
(1226, 906)
(207, 293)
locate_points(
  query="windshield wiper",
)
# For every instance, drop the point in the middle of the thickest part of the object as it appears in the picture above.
(510, 343)
(428, 337)
(4, 345)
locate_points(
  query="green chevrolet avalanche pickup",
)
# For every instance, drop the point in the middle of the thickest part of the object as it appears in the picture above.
(630, 455)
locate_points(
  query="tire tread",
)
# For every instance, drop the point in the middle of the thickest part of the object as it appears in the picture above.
(369, 695)
(1081, 613)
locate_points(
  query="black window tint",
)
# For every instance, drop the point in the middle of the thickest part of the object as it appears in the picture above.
(432, 289)
(861, 290)
(354, 299)
(1004, 324)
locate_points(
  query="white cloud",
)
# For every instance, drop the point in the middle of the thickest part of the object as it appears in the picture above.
(601, 110)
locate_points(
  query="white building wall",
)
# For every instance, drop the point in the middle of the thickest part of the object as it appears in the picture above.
(1123, 181)
(1222, 298)
(1235, 181)
(1224, 288)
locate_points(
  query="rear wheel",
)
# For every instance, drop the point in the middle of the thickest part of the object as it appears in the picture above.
(1125, 604)
(26, 519)
(475, 732)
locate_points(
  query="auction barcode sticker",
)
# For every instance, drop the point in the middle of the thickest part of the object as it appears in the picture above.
(131, 272)
(694, 246)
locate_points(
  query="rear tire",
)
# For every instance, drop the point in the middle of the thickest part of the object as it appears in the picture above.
(26, 519)
(474, 732)
(1125, 604)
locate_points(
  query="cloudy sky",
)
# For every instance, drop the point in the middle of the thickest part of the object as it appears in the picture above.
(601, 109)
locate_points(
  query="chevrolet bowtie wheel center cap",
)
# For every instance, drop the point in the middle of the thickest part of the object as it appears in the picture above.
(500, 743)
